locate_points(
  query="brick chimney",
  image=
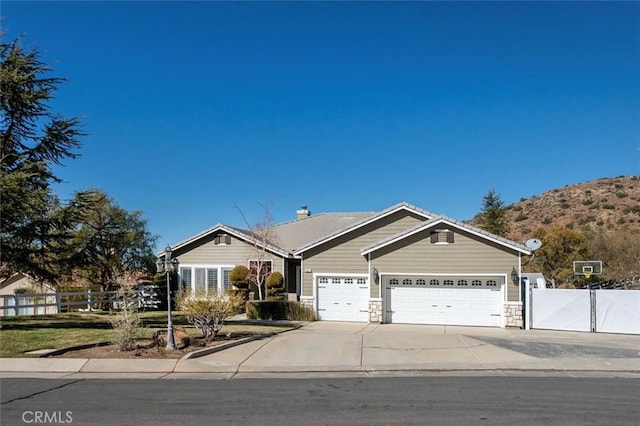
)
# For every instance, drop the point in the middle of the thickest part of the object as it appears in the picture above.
(303, 212)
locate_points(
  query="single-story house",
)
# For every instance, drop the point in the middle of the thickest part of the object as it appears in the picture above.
(18, 290)
(402, 265)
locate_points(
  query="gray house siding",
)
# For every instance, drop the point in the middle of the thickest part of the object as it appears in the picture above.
(342, 254)
(205, 252)
(468, 254)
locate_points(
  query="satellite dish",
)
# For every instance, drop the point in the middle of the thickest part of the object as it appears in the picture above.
(533, 244)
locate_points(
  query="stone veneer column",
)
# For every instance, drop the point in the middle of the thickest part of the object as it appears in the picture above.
(375, 310)
(513, 314)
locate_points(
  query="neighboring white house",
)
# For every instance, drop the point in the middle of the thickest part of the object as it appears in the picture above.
(11, 295)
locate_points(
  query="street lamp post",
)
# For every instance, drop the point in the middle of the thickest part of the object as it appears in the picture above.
(166, 266)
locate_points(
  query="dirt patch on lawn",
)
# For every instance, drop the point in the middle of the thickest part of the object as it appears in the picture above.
(147, 348)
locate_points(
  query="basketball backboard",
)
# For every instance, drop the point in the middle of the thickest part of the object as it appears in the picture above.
(587, 267)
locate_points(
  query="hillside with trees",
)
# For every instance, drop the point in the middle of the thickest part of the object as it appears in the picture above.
(597, 206)
(598, 220)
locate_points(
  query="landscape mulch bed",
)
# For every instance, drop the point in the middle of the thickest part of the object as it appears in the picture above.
(146, 348)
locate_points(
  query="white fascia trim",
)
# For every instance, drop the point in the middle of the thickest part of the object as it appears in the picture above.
(337, 274)
(520, 278)
(434, 223)
(361, 224)
(228, 230)
(449, 274)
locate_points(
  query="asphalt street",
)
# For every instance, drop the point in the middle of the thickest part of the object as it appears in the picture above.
(325, 401)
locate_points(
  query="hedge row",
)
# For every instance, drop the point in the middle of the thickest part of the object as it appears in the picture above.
(279, 310)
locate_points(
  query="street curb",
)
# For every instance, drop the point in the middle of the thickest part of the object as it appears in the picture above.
(214, 349)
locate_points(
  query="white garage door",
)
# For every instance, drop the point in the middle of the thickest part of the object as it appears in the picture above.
(444, 300)
(343, 298)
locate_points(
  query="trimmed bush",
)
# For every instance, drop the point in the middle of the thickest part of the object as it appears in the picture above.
(279, 310)
(239, 277)
(275, 286)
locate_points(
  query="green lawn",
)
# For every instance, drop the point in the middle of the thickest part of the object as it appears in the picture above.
(29, 333)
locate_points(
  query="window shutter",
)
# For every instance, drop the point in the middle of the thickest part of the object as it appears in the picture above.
(216, 241)
(450, 236)
(227, 239)
(434, 237)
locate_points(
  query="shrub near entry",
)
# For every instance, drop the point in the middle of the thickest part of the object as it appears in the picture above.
(208, 311)
(279, 310)
(275, 286)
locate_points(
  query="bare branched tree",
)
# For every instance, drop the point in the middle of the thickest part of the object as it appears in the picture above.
(262, 240)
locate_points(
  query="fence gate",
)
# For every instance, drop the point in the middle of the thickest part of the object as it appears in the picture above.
(555, 309)
(604, 311)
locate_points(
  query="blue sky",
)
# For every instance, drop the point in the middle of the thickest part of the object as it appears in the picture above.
(194, 108)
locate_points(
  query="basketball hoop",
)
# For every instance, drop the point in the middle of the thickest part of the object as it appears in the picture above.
(587, 274)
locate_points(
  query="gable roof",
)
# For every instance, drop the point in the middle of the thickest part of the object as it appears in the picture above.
(450, 222)
(367, 220)
(236, 232)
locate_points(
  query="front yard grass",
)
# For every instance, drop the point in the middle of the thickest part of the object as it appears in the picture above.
(22, 334)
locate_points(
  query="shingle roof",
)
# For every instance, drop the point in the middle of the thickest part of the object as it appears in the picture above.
(364, 221)
(296, 236)
(297, 233)
(438, 219)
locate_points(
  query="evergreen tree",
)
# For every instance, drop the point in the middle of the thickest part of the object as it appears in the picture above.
(111, 244)
(34, 226)
(492, 216)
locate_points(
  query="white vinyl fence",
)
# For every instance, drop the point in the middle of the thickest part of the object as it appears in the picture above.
(53, 303)
(604, 311)
(618, 311)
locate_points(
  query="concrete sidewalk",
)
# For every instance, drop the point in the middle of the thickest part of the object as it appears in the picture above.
(356, 349)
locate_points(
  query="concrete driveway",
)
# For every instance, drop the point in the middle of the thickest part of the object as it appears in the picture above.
(338, 346)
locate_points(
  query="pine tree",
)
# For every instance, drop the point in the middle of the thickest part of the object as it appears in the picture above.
(33, 224)
(492, 216)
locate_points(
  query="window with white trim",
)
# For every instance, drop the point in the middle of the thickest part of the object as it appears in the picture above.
(362, 281)
(226, 279)
(434, 282)
(448, 282)
(492, 283)
(407, 281)
(185, 278)
(348, 280)
(393, 281)
(205, 278)
(420, 281)
(462, 282)
(476, 283)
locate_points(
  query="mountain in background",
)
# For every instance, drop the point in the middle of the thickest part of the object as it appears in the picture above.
(601, 205)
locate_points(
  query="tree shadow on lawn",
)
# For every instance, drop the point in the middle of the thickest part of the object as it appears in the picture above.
(31, 323)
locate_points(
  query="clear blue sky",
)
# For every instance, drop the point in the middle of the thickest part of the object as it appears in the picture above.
(194, 108)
